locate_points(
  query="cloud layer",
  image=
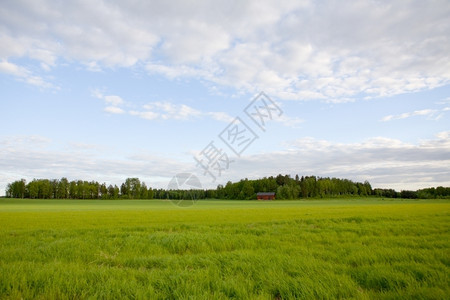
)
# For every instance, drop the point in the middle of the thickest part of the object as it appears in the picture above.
(326, 50)
(384, 162)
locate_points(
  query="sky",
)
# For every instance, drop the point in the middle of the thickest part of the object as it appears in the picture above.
(225, 90)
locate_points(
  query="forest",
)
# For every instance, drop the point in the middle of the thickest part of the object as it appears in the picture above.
(284, 186)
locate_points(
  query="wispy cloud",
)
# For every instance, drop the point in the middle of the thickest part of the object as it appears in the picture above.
(164, 110)
(170, 111)
(433, 114)
(23, 74)
(148, 115)
(423, 112)
(445, 101)
(114, 110)
(158, 110)
(113, 100)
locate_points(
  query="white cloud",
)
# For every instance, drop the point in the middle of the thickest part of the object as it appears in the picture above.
(174, 71)
(12, 69)
(114, 110)
(97, 93)
(113, 100)
(328, 50)
(149, 115)
(23, 74)
(167, 110)
(429, 113)
(164, 110)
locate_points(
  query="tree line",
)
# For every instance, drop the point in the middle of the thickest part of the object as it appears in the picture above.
(439, 192)
(132, 188)
(284, 186)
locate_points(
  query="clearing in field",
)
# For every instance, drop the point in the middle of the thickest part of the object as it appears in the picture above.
(345, 249)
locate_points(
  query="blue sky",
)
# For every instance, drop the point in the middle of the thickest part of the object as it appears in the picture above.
(105, 90)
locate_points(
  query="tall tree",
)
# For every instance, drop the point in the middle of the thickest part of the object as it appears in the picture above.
(62, 189)
(103, 191)
(143, 194)
(33, 189)
(73, 190)
(247, 192)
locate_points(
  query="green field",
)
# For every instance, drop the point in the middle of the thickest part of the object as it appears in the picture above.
(326, 249)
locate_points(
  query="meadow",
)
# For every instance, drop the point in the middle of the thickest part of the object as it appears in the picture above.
(151, 249)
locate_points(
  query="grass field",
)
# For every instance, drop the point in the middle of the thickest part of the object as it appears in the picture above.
(326, 249)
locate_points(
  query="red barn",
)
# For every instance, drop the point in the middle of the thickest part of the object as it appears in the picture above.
(265, 196)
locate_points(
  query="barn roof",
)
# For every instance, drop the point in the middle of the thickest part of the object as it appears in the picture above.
(265, 194)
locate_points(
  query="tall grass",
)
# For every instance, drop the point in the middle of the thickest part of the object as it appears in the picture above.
(219, 250)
